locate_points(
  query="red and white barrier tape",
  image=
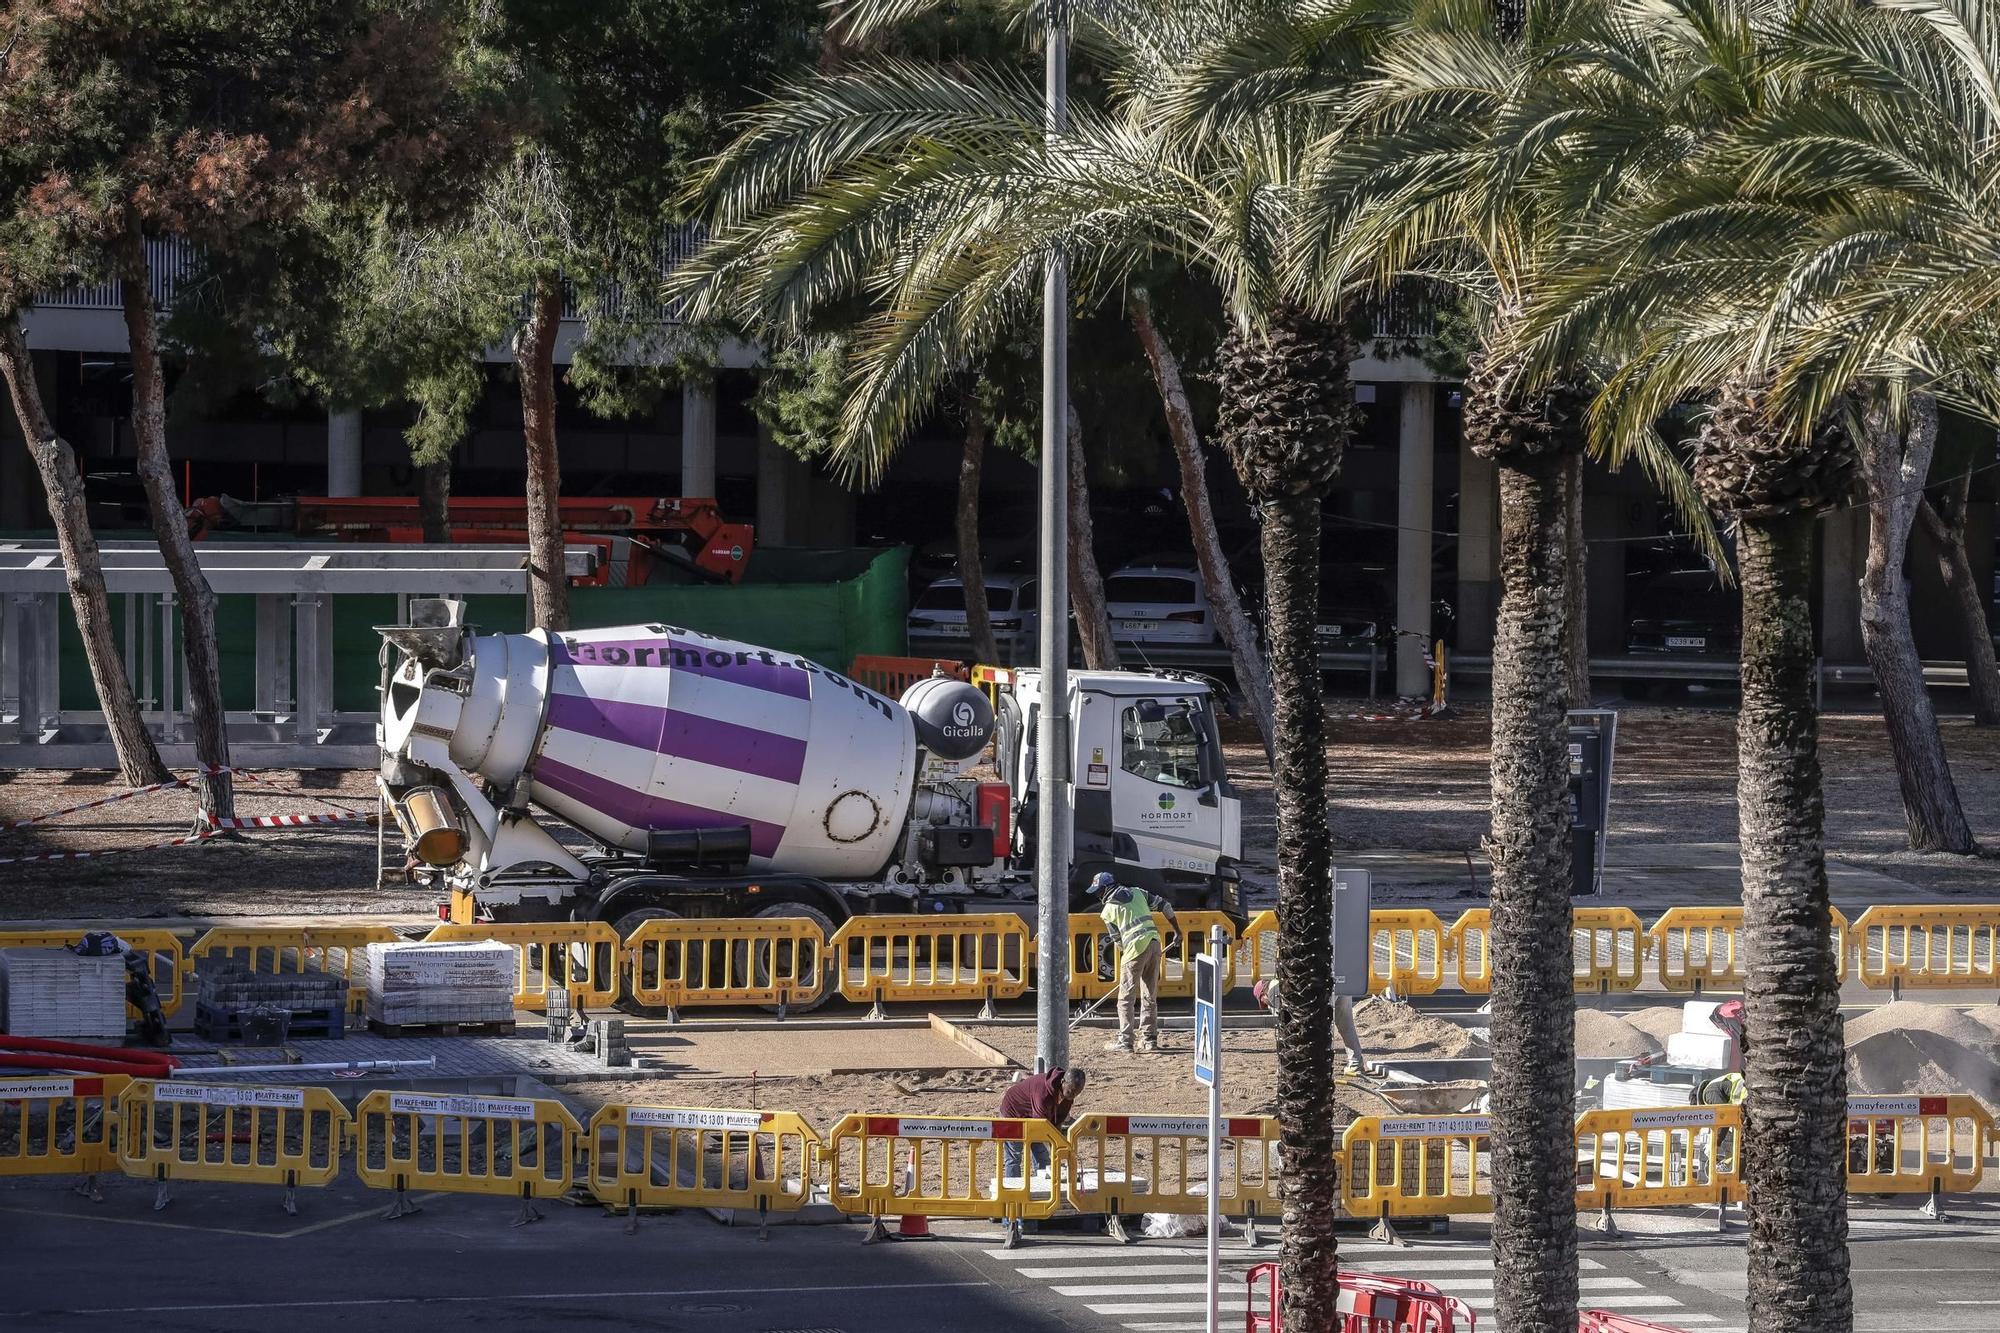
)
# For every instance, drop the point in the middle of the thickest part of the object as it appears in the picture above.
(202, 836)
(205, 771)
(290, 821)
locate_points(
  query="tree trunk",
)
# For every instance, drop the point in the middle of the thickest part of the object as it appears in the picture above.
(1086, 582)
(1945, 522)
(534, 357)
(1794, 1157)
(1308, 1253)
(170, 528)
(1534, 1002)
(1252, 675)
(138, 760)
(1895, 464)
(971, 565)
(1576, 605)
(434, 500)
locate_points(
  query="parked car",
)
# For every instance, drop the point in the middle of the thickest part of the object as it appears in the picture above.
(937, 619)
(1682, 613)
(1158, 605)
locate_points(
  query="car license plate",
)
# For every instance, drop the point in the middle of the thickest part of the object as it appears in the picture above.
(1685, 641)
(1138, 624)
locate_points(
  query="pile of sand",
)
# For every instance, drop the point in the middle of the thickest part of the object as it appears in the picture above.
(1391, 1028)
(1607, 1036)
(1909, 1046)
(1659, 1022)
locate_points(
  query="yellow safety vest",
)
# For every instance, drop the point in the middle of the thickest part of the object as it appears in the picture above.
(1131, 922)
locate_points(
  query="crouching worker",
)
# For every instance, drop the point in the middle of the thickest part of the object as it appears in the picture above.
(1049, 1096)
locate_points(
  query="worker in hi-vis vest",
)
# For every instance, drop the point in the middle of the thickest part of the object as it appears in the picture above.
(1129, 924)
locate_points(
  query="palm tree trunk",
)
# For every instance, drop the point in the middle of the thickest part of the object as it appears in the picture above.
(1534, 1002)
(971, 565)
(1896, 464)
(434, 500)
(1086, 583)
(1576, 555)
(1794, 1152)
(170, 529)
(1253, 677)
(138, 760)
(534, 356)
(1308, 1254)
(1945, 522)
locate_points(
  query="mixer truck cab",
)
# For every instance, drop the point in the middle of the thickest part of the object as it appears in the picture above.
(1153, 801)
(651, 771)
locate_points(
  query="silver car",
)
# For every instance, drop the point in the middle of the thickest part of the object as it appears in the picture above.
(937, 620)
(1159, 604)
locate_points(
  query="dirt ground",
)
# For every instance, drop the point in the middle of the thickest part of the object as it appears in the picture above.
(1420, 786)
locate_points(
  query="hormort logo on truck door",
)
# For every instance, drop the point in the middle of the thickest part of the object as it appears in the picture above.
(1166, 801)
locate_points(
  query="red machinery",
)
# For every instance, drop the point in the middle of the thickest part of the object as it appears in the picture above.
(1368, 1304)
(632, 532)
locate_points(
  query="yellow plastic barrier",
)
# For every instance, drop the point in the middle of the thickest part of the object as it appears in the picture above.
(1094, 955)
(1607, 948)
(172, 1130)
(56, 1124)
(679, 962)
(1470, 941)
(992, 680)
(340, 951)
(1699, 948)
(1406, 952)
(1917, 1145)
(761, 1160)
(1159, 1164)
(1670, 1157)
(1255, 957)
(163, 949)
(929, 958)
(582, 957)
(1928, 946)
(1417, 1166)
(943, 1167)
(514, 1146)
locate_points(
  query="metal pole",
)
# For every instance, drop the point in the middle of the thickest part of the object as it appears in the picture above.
(1053, 821)
(1215, 948)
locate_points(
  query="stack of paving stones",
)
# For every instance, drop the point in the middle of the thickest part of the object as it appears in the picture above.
(55, 993)
(441, 989)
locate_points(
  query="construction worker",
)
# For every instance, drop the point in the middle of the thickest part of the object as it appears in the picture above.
(1049, 1096)
(1128, 917)
(1358, 1063)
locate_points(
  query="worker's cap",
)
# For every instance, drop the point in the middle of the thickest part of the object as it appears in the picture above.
(1257, 991)
(1103, 882)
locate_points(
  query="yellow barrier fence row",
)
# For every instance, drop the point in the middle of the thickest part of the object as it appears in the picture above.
(690, 1157)
(171, 1130)
(517, 1146)
(879, 959)
(1926, 945)
(166, 959)
(1159, 1164)
(1917, 1145)
(1670, 1157)
(942, 1166)
(340, 951)
(56, 1124)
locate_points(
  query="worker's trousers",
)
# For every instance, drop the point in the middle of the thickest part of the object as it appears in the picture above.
(1010, 1160)
(1139, 993)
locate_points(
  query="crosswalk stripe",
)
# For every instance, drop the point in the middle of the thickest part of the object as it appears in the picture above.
(1166, 1307)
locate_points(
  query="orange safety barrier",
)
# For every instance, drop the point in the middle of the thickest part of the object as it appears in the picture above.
(57, 1124)
(1406, 951)
(1470, 941)
(1607, 948)
(700, 1157)
(1416, 1166)
(169, 1130)
(1917, 1145)
(1699, 948)
(1673, 1156)
(678, 962)
(1159, 1164)
(942, 956)
(893, 675)
(943, 1166)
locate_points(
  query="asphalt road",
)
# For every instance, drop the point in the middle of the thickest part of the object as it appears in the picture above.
(227, 1258)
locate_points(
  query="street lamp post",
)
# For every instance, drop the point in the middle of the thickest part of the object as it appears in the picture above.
(1053, 825)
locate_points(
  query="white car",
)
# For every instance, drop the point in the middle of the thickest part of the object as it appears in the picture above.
(1158, 604)
(938, 617)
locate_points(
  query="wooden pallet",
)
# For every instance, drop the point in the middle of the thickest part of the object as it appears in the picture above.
(226, 1024)
(493, 1029)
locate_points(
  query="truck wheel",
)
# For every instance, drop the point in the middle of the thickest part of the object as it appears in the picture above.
(799, 912)
(645, 971)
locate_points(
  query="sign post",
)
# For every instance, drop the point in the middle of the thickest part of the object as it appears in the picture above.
(1208, 1069)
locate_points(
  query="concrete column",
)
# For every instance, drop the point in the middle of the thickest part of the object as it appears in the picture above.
(1843, 556)
(698, 435)
(343, 452)
(1417, 444)
(774, 489)
(1478, 543)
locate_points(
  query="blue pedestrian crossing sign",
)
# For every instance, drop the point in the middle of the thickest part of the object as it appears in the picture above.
(1207, 1036)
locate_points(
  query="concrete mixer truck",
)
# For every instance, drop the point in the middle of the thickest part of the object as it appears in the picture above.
(691, 775)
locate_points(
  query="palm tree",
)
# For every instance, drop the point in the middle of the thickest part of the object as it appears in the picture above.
(936, 195)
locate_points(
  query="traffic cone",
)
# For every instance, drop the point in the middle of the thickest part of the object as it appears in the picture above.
(911, 1225)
